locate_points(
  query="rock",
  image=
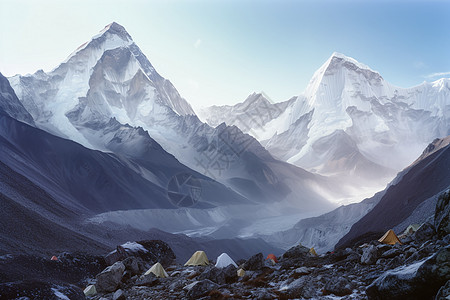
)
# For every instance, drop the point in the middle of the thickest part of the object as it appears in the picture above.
(410, 251)
(201, 288)
(296, 252)
(395, 262)
(254, 263)
(116, 255)
(369, 256)
(109, 279)
(119, 295)
(147, 280)
(391, 253)
(90, 290)
(444, 292)
(133, 264)
(157, 251)
(302, 271)
(301, 288)
(338, 286)
(424, 233)
(442, 215)
(338, 255)
(383, 248)
(353, 257)
(420, 280)
(220, 276)
(150, 251)
(230, 274)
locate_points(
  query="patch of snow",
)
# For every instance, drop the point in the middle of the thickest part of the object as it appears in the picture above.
(407, 271)
(134, 247)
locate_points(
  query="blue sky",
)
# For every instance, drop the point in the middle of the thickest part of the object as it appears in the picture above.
(218, 52)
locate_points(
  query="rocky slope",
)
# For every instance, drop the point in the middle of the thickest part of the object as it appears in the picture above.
(423, 180)
(416, 269)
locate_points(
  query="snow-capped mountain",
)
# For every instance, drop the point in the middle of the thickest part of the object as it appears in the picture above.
(107, 96)
(10, 104)
(350, 122)
(98, 80)
(255, 112)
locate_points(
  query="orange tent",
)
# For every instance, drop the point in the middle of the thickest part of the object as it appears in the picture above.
(54, 258)
(389, 238)
(272, 257)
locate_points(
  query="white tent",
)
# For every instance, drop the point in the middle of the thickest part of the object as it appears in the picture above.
(224, 260)
(158, 270)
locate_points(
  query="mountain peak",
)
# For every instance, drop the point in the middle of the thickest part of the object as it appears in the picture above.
(341, 59)
(115, 28)
(256, 98)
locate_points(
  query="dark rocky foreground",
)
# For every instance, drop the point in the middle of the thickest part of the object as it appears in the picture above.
(417, 269)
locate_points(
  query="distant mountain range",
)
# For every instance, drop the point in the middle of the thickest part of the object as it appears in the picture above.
(349, 123)
(108, 146)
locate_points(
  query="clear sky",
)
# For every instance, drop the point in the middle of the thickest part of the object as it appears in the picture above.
(218, 52)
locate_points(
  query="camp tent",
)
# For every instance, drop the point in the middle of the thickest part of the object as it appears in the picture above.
(224, 260)
(273, 258)
(389, 238)
(313, 252)
(411, 229)
(199, 258)
(158, 270)
(241, 272)
(54, 258)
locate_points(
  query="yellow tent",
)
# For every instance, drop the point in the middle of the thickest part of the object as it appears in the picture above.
(313, 252)
(389, 238)
(158, 270)
(241, 272)
(199, 258)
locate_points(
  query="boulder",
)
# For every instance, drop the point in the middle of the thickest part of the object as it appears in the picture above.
(150, 251)
(370, 255)
(254, 263)
(220, 276)
(108, 280)
(134, 265)
(338, 286)
(442, 215)
(301, 288)
(298, 251)
(444, 292)
(420, 280)
(230, 274)
(424, 233)
(201, 288)
(302, 271)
